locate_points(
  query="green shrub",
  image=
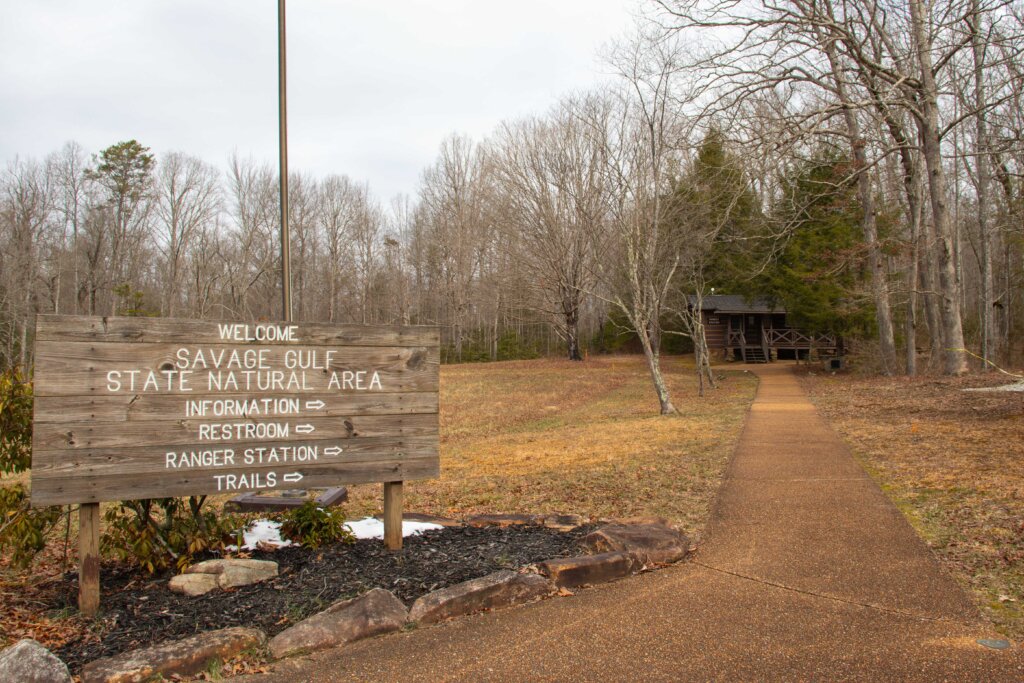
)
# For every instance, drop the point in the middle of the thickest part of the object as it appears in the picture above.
(15, 422)
(314, 526)
(23, 528)
(156, 534)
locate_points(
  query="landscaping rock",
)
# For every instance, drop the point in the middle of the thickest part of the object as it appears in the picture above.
(637, 520)
(570, 572)
(563, 522)
(193, 584)
(234, 572)
(182, 657)
(232, 577)
(650, 543)
(502, 520)
(371, 614)
(29, 662)
(500, 589)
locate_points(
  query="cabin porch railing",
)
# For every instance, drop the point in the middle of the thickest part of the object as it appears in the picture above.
(737, 339)
(792, 338)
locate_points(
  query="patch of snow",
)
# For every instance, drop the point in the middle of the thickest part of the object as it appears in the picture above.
(269, 532)
(262, 531)
(1016, 386)
(374, 528)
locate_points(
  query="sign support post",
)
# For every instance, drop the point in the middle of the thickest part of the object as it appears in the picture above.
(282, 93)
(89, 558)
(393, 515)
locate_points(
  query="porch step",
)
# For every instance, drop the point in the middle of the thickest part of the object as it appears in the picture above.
(755, 354)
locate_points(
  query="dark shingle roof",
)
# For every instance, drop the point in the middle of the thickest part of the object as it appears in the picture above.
(736, 303)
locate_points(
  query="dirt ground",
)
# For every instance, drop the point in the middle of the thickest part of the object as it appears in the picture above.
(953, 461)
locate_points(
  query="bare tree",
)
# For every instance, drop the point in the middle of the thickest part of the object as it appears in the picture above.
(337, 215)
(254, 258)
(640, 146)
(188, 201)
(26, 205)
(68, 168)
(551, 174)
(455, 213)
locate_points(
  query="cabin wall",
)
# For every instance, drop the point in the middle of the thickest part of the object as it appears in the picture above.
(715, 327)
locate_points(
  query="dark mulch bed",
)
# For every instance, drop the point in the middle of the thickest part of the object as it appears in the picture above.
(138, 610)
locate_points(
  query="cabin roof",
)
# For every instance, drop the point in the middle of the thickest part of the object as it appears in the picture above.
(737, 303)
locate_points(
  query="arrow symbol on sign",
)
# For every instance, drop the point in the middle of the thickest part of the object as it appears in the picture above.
(315, 405)
(293, 476)
(333, 450)
(304, 429)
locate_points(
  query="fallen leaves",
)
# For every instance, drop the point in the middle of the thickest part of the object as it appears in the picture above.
(953, 461)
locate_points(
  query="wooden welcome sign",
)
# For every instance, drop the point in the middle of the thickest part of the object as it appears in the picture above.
(129, 408)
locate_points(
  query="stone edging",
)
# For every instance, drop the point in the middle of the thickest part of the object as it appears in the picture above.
(617, 549)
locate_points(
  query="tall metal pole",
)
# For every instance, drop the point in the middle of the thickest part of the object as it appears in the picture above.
(282, 82)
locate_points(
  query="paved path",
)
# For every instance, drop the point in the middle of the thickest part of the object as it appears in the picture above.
(809, 573)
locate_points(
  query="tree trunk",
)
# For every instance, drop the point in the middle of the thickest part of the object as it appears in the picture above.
(912, 277)
(654, 365)
(571, 313)
(928, 267)
(989, 336)
(494, 327)
(954, 361)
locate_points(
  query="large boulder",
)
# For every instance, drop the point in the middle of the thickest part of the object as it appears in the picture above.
(232, 573)
(569, 572)
(180, 657)
(193, 585)
(29, 662)
(500, 589)
(651, 543)
(372, 613)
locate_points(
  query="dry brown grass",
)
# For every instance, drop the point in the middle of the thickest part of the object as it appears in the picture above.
(953, 461)
(557, 436)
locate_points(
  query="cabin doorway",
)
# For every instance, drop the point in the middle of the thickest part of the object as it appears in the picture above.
(752, 329)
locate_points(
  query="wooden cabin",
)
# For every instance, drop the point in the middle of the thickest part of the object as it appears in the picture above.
(756, 331)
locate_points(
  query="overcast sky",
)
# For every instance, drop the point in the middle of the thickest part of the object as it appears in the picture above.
(374, 86)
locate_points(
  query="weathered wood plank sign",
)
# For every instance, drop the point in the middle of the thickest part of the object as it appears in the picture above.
(130, 408)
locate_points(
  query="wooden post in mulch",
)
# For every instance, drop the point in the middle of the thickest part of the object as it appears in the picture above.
(393, 515)
(89, 558)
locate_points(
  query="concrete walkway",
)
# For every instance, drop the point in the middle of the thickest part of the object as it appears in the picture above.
(809, 573)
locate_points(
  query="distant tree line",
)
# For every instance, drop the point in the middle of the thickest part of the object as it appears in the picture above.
(859, 163)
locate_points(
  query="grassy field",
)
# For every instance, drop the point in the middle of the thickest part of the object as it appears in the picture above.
(558, 436)
(953, 461)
